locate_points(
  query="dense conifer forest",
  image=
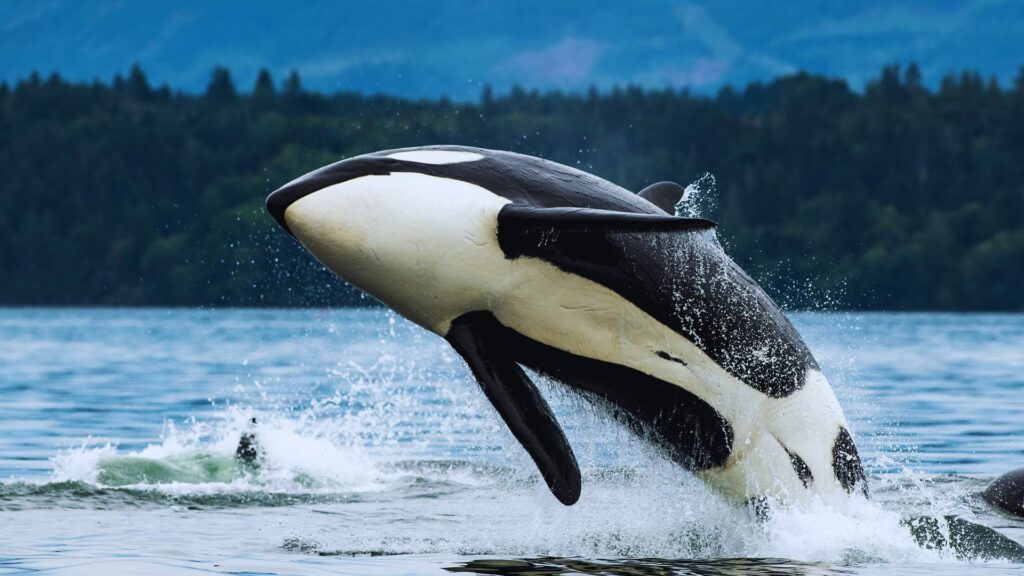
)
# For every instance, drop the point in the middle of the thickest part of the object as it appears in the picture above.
(895, 197)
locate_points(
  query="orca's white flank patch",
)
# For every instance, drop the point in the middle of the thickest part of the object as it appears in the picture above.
(436, 156)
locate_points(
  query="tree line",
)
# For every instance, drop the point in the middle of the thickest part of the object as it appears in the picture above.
(894, 197)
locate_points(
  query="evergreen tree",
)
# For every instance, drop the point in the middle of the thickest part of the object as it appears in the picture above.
(293, 85)
(221, 88)
(137, 86)
(264, 87)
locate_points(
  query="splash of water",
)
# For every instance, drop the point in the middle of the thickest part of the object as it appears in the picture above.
(387, 499)
(699, 198)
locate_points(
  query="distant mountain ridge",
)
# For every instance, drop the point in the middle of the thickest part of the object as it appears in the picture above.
(431, 48)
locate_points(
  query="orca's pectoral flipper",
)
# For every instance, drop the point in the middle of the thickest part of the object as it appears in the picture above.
(514, 220)
(476, 337)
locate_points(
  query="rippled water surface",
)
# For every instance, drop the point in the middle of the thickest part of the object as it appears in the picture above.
(118, 430)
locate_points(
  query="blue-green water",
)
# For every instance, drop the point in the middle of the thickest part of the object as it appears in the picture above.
(118, 428)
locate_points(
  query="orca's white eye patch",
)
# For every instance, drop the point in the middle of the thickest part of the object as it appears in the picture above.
(436, 156)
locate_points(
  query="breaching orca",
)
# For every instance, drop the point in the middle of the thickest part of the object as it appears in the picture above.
(521, 262)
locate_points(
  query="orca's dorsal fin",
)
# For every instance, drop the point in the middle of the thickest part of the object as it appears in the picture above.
(664, 195)
(476, 336)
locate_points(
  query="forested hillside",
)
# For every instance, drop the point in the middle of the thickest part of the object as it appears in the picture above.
(894, 198)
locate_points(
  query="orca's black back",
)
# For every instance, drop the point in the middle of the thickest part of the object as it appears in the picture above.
(524, 180)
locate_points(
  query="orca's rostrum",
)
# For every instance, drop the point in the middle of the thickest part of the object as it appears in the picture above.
(521, 262)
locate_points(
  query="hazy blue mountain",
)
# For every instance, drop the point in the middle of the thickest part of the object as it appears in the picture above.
(434, 47)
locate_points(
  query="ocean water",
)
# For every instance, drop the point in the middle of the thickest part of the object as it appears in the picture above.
(380, 456)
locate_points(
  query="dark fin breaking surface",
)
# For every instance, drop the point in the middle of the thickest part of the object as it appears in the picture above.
(846, 463)
(1007, 492)
(518, 401)
(664, 195)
